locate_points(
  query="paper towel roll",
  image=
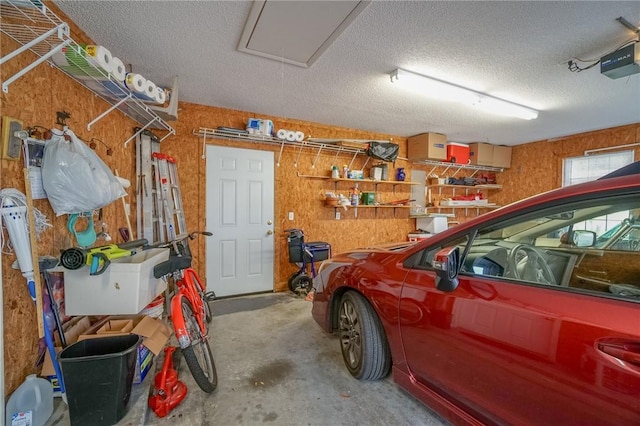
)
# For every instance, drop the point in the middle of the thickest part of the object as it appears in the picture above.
(100, 56)
(299, 136)
(151, 90)
(118, 70)
(281, 134)
(161, 95)
(291, 136)
(72, 59)
(135, 82)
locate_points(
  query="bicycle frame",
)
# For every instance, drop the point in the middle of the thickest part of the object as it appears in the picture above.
(186, 282)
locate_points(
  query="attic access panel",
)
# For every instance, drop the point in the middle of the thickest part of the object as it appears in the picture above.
(296, 32)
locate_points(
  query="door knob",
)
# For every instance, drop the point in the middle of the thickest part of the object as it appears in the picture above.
(269, 232)
(269, 222)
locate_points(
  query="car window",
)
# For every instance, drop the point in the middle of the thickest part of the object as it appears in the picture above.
(424, 259)
(568, 247)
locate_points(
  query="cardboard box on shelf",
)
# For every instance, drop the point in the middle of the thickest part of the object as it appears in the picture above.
(427, 146)
(481, 154)
(501, 156)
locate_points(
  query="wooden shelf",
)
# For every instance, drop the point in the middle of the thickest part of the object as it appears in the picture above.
(458, 166)
(482, 186)
(366, 206)
(473, 206)
(376, 182)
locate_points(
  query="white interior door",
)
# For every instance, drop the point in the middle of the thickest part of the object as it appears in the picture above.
(239, 212)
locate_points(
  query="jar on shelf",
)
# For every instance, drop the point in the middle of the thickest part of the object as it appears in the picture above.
(400, 174)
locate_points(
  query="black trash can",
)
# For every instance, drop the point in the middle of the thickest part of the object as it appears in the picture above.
(97, 376)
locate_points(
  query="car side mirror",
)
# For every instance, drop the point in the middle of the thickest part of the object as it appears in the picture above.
(446, 264)
(582, 238)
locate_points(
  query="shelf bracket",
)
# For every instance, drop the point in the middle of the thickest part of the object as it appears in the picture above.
(280, 154)
(126, 144)
(204, 145)
(171, 132)
(352, 160)
(315, 160)
(366, 162)
(298, 157)
(114, 106)
(335, 157)
(41, 59)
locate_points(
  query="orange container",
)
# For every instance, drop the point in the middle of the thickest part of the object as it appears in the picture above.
(457, 153)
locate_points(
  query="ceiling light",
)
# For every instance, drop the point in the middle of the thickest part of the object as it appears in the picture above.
(451, 92)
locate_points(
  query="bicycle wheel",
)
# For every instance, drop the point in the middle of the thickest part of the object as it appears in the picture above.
(198, 355)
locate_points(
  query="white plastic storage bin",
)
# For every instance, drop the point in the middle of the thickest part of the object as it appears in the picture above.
(126, 287)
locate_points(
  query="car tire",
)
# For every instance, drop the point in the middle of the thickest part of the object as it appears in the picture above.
(364, 345)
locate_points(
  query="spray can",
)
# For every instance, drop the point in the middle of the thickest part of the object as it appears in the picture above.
(345, 171)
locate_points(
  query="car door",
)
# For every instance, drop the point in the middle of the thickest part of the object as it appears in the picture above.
(508, 349)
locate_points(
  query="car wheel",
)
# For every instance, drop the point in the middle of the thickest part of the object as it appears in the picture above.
(362, 339)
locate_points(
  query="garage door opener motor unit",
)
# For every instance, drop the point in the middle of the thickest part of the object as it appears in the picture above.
(621, 63)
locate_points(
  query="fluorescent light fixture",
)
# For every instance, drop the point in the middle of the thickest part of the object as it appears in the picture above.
(452, 92)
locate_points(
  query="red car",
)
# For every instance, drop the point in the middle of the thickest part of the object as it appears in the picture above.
(514, 317)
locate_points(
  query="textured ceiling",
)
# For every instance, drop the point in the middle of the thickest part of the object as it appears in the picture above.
(512, 50)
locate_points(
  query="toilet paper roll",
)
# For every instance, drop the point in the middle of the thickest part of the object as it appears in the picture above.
(135, 82)
(118, 70)
(161, 95)
(299, 136)
(100, 56)
(291, 136)
(151, 90)
(281, 134)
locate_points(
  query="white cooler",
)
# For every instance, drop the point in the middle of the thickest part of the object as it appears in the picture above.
(125, 287)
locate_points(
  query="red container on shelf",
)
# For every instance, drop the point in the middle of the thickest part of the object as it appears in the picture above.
(457, 153)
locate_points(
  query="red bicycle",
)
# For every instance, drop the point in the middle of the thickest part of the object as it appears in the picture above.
(189, 310)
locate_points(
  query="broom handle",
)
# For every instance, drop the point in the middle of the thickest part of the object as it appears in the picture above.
(126, 215)
(34, 253)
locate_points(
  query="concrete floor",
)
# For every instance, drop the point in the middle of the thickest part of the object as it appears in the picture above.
(276, 366)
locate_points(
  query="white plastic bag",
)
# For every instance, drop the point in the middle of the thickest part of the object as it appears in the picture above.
(74, 177)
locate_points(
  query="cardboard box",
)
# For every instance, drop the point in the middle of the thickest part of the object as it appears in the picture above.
(427, 146)
(481, 154)
(457, 153)
(116, 327)
(126, 287)
(155, 335)
(502, 156)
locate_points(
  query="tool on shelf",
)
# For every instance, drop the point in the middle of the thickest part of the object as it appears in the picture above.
(98, 259)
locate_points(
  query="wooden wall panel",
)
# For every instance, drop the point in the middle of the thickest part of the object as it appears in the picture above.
(537, 167)
(292, 193)
(34, 99)
(37, 96)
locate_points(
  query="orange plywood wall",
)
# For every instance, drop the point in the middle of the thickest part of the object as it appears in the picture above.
(36, 97)
(293, 193)
(537, 167)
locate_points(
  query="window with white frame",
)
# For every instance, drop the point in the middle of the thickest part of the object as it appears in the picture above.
(584, 169)
(587, 168)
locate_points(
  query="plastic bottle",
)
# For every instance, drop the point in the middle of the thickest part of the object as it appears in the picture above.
(31, 404)
(345, 171)
(335, 174)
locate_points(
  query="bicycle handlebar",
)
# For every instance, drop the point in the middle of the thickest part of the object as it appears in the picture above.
(191, 236)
